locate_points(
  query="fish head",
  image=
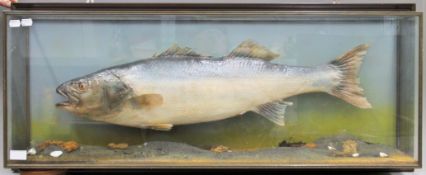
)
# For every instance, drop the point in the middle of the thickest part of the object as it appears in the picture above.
(82, 95)
(93, 95)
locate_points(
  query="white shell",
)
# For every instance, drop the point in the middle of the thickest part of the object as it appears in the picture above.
(331, 148)
(382, 154)
(56, 153)
(355, 155)
(32, 151)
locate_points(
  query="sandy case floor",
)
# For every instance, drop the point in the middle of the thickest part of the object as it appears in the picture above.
(331, 151)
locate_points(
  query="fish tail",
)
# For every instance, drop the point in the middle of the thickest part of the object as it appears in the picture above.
(348, 87)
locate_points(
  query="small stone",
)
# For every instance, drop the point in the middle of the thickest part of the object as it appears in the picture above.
(49, 149)
(145, 144)
(350, 147)
(32, 151)
(355, 155)
(70, 146)
(118, 145)
(331, 148)
(383, 155)
(219, 149)
(56, 153)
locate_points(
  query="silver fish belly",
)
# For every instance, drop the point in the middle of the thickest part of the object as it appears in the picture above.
(168, 91)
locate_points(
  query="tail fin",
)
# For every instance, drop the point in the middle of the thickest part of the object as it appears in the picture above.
(348, 88)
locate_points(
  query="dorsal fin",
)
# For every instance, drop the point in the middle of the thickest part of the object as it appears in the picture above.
(177, 51)
(251, 49)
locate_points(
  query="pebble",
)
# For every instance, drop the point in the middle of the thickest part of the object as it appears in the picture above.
(118, 145)
(70, 146)
(220, 149)
(383, 155)
(32, 151)
(350, 147)
(56, 153)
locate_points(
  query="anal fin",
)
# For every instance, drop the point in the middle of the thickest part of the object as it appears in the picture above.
(160, 127)
(274, 111)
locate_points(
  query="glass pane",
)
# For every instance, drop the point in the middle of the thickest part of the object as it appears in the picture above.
(339, 90)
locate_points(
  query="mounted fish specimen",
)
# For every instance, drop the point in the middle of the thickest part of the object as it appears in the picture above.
(180, 86)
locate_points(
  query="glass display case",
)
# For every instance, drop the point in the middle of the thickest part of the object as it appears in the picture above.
(211, 87)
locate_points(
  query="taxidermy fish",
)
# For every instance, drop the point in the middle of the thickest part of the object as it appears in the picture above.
(180, 86)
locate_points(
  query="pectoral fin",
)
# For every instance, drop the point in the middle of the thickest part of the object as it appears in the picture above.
(251, 49)
(161, 127)
(274, 111)
(147, 101)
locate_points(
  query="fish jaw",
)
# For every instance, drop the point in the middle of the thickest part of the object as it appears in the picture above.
(71, 101)
(66, 106)
(61, 91)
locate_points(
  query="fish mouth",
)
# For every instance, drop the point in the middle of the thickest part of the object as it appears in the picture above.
(70, 99)
(63, 104)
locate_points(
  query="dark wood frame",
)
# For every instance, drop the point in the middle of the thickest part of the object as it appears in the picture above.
(211, 9)
(216, 6)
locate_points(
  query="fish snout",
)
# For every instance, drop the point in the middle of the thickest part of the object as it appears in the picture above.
(64, 91)
(61, 90)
